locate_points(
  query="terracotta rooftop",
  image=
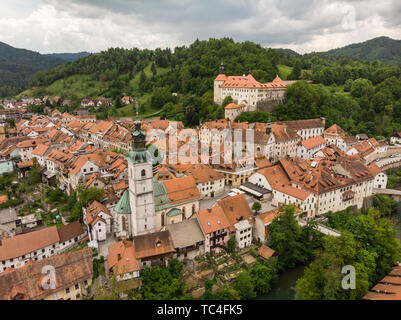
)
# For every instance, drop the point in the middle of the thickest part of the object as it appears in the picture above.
(70, 231)
(266, 252)
(249, 82)
(293, 192)
(335, 129)
(389, 288)
(203, 173)
(23, 244)
(182, 190)
(25, 282)
(212, 219)
(236, 209)
(153, 244)
(122, 258)
(40, 150)
(234, 106)
(313, 142)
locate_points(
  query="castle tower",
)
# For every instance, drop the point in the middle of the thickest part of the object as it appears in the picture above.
(217, 83)
(140, 176)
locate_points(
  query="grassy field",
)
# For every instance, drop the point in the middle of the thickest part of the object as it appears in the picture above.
(130, 111)
(85, 86)
(135, 81)
(284, 71)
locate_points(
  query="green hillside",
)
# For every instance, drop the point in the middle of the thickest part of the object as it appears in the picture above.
(18, 66)
(284, 71)
(383, 49)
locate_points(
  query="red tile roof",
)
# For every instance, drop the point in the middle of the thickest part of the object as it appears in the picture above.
(212, 219)
(313, 142)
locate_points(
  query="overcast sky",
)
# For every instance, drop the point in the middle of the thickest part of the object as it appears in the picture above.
(51, 26)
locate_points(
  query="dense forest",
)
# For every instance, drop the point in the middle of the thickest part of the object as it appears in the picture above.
(18, 66)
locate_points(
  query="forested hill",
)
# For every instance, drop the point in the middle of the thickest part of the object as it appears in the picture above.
(361, 96)
(194, 65)
(69, 56)
(18, 66)
(383, 49)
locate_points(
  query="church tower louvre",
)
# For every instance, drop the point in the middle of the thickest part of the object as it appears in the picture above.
(140, 178)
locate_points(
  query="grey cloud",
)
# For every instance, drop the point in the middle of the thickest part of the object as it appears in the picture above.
(151, 23)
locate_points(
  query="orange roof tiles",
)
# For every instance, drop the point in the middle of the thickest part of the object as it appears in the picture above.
(236, 209)
(275, 175)
(221, 77)
(335, 129)
(122, 257)
(182, 190)
(40, 150)
(266, 252)
(293, 192)
(25, 282)
(212, 219)
(153, 244)
(389, 288)
(122, 185)
(250, 82)
(203, 173)
(313, 142)
(25, 164)
(374, 169)
(3, 198)
(93, 210)
(234, 106)
(23, 244)
(283, 133)
(29, 143)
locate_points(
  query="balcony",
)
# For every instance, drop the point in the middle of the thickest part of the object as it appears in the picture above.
(348, 195)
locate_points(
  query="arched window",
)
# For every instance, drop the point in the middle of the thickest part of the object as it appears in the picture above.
(162, 219)
(193, 209)
(143, 173)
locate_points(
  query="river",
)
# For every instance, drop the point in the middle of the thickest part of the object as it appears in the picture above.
(285, 288)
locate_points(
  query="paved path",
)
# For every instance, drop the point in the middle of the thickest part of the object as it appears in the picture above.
(103, 247)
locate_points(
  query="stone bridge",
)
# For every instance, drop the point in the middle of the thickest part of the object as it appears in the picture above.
(322, 229)
(395, 194)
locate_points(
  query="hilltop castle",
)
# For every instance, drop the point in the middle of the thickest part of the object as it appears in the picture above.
(247, 93)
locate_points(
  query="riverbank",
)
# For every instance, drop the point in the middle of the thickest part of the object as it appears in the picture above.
(285, 289)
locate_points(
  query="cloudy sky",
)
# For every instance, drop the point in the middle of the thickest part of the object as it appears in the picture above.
(93, 25)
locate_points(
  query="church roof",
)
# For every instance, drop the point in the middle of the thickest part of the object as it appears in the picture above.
(123, 205)
(174, 212)
(162, 201)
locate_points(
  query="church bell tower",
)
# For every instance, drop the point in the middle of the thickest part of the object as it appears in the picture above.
(140, 176)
